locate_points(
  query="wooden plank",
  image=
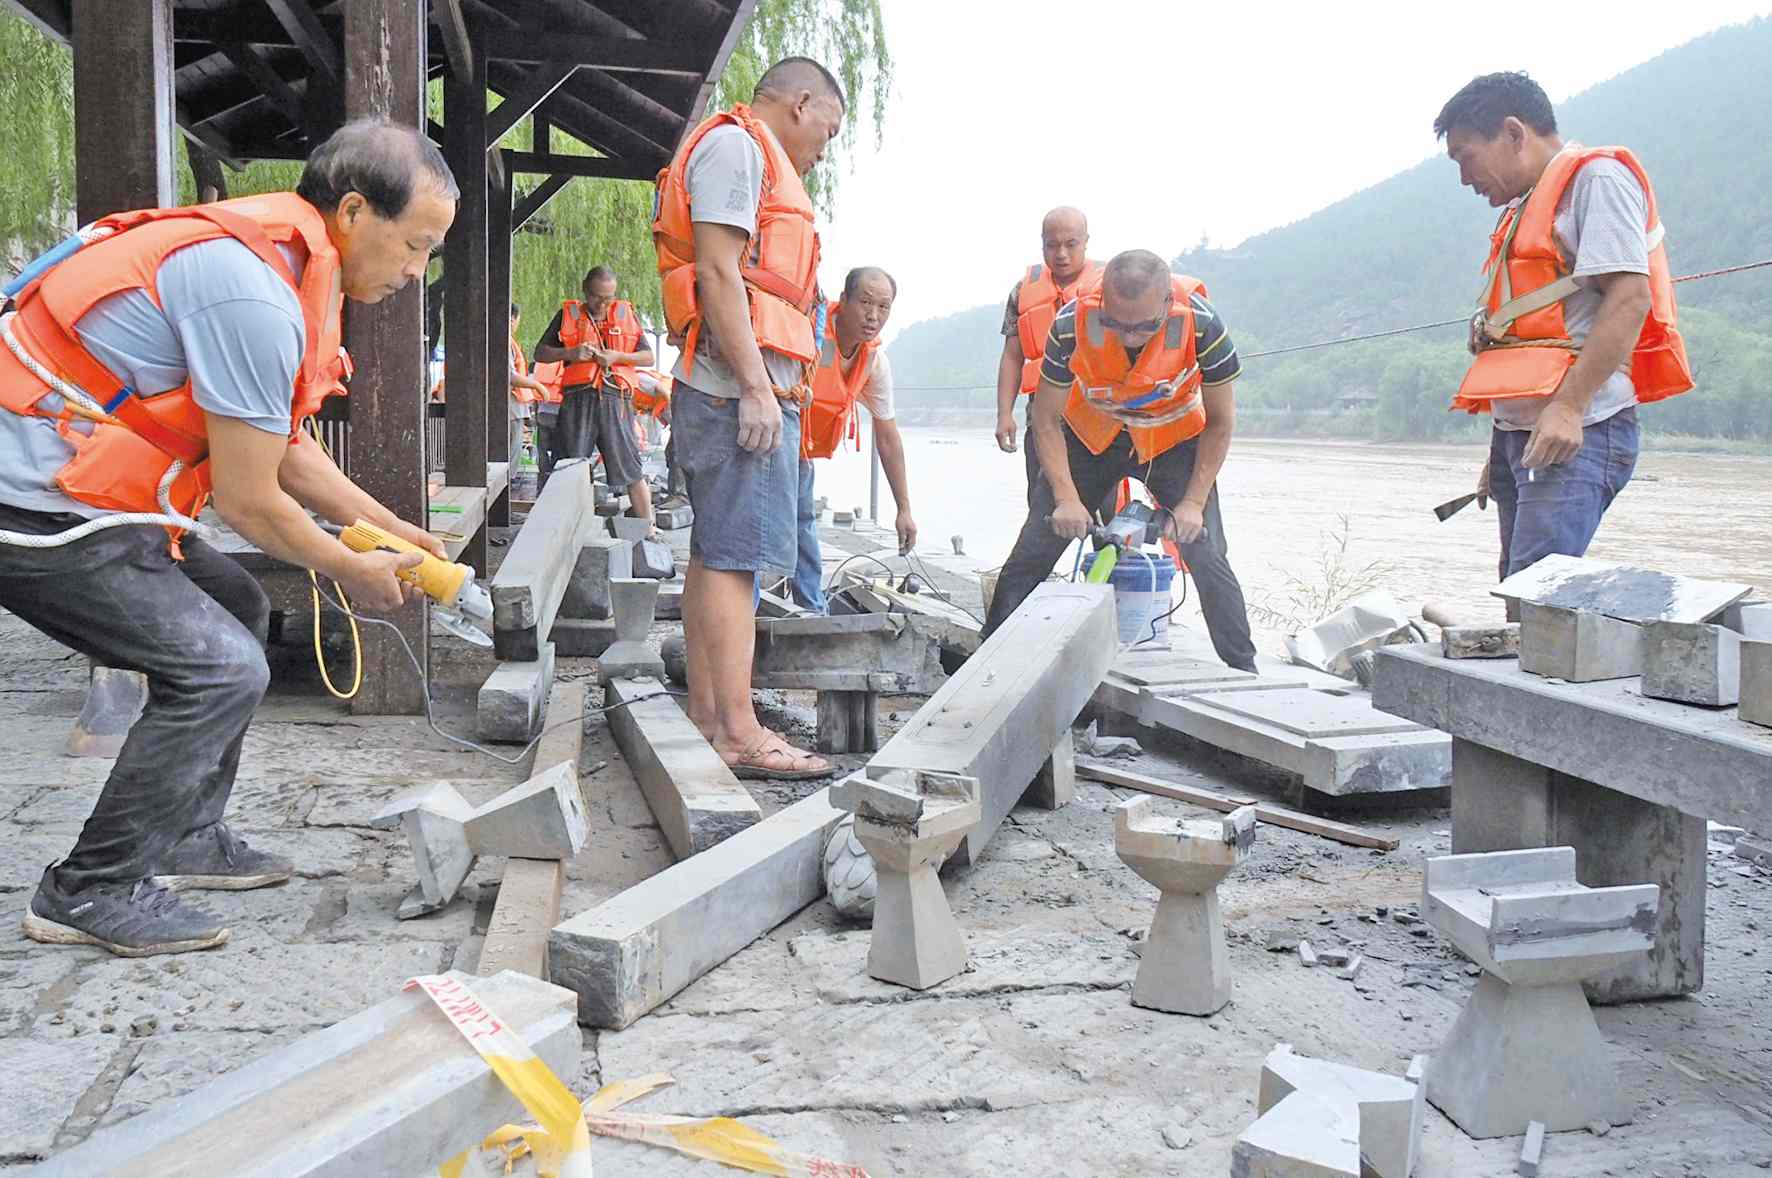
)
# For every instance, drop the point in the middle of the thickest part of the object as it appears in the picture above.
(1620, 591)
(1340, 832)
(741, 19)
(305, 29)
(456, 514)
(530, 584)
(384, 76)
(612, 54)
(537, 198)
(598, 167)
(123, 107)
(527, 909)
(447, 16)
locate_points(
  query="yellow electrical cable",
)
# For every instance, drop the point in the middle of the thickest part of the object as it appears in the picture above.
(314, 596)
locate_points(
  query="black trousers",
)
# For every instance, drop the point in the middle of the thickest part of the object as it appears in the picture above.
(1095, 475)
(196, 628)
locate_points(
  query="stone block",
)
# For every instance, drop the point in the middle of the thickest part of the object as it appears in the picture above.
(1692, 663)
(694, 796)
(629, 528)
(1750, 619)
(543, 818)
(394, 1091)
(529, 586)
(999, 717)
(848, 721)
(855, 652)
(670, 601)
(634, 951)
(434, 821)
(1756, 683)
(1578, 646)
(600, 561)
(1056, 783)
(670, 519)
(581, 638)
(511, 701)
(1532, 1150)
(1481, 642)
(1324, 1119)
(629, 657)
(653, 560)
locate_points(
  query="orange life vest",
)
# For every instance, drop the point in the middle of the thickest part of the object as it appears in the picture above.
(1157, 397)
(1525, 281)
(830, 416)
(1039, 301)
(779, 266)
(120, 465)
(547, 375)
(619, 331)
(520, 366)
(653, 402)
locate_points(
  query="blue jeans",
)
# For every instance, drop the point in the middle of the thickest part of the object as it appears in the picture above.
(1559, 508)
(808, 579)
(742, 500)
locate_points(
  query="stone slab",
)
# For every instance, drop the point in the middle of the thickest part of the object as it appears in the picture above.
(40, 1083)
(1750, 619)
(1386, 762)
(303, 1110)
(527, 909)
(628, 528)
(653, 560)
(634, 951)
(1692, 663)
(600, 561)
(1000, 716)
(1705, 764)
(510, 703)
(694, 796)
(1620, 591)
(1308, 713)
(670, 602)
(581, 638)
(531, 583)
(1481, 642)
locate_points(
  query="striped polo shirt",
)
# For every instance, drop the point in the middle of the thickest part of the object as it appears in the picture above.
(1213, 349)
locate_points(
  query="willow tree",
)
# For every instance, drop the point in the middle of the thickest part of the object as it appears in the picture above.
(36, 140)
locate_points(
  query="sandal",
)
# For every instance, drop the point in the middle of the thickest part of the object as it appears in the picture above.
(762, 763)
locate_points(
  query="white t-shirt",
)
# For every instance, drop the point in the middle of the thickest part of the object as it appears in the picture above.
(876, 394)
(725, 182)
(1600, 230)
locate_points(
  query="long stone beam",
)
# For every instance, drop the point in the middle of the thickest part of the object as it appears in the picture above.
(694, 796)
(529, 585)
(859, 652)
(1001, 715)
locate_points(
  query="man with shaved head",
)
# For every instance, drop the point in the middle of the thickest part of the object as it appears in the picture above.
(1034, 302)
(1135, 382)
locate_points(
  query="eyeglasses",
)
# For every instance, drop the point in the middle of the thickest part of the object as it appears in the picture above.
(1145, 327)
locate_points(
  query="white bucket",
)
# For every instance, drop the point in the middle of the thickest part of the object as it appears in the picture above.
(1142, 597)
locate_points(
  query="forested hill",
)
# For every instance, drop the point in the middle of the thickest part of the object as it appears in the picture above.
(1407, 250)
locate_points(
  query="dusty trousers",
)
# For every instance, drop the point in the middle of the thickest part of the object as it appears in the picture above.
(195, 628)
(1095, 475)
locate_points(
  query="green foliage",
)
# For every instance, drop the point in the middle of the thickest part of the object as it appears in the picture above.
(36, 139)
(1408, 251)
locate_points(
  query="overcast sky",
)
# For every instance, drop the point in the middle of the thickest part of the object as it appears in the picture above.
(1166, 121)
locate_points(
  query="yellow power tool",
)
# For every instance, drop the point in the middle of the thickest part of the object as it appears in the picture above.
(451, 586)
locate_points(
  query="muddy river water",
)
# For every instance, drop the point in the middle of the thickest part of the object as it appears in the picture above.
(1288, 504)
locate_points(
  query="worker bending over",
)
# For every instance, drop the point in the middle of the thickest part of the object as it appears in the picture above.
(1136, 382)
(177, 353)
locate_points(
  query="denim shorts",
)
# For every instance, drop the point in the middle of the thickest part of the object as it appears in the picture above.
(1558, 509)
(745, 504)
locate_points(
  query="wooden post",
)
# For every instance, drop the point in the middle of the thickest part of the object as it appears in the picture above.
(498, 331)
(467, 350)
(123, 107)
(384, 75)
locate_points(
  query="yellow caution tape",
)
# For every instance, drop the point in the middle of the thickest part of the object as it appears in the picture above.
(561, 1143)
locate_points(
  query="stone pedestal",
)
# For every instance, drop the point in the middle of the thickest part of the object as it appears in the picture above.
(1185, 969)
(1526, 1047)
(629, 657)
(909, 823)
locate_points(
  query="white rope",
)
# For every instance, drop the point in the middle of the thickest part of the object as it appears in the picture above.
(169, 516)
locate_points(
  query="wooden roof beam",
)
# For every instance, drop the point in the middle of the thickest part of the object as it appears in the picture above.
(447, 16)
(520, 103)
(537, 198)
(601, 53)
(595, 167)
(741, 19)
(311, 37)
(270, 83)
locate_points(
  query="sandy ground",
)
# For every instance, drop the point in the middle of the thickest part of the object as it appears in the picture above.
(1033, 1062)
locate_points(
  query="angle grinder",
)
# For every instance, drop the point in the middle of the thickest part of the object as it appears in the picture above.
(456, 595)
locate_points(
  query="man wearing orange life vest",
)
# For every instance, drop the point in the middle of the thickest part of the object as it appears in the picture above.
(600, 341)
(738, 269)
(1576, 322)
(1034, 302)
(1135, 383)
(852, 372)
(178, 351)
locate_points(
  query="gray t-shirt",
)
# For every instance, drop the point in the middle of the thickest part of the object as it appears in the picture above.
(1600, 230)
(725, 182)
(226, 320)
